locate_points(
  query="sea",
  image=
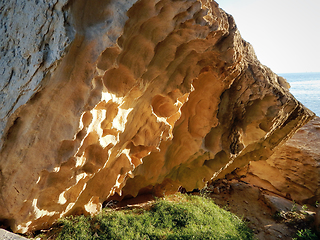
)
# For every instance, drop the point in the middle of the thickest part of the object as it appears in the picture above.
(306, 88)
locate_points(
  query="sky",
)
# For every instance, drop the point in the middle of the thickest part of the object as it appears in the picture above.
(284, 33)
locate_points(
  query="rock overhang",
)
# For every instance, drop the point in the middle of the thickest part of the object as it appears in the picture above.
(168, 96)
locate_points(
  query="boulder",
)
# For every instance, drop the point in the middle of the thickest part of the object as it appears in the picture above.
(123, 97)
(6, 235)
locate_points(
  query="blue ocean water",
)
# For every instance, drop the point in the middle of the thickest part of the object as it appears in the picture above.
(306, 88)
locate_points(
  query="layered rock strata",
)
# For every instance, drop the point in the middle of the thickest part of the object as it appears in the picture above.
(146, 95)
(293, 171)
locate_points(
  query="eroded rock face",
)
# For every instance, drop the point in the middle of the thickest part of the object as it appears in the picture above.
(150, 96)
(293, 171)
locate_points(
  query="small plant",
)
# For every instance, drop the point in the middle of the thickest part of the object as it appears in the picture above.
(304, 209)
(305, 234)
(278, 216)
(294, 207)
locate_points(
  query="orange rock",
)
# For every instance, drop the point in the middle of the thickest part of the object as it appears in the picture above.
(169, 96)
(293, 170)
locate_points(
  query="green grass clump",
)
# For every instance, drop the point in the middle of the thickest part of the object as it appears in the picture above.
(180, 217)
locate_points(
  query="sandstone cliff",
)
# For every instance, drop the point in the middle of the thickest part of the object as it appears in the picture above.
(293, 171)
(119, 97)
(285, 185)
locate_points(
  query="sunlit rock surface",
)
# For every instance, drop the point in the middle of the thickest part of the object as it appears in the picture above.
(136, 96)
(293, 171)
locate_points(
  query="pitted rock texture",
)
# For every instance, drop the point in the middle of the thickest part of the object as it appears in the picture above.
(151, 95)
(293, 171)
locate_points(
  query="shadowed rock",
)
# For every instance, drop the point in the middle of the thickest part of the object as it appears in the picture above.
(150, 95)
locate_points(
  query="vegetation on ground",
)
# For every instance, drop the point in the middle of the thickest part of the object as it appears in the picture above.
(298, 219)
(306, 234)
(177, 217)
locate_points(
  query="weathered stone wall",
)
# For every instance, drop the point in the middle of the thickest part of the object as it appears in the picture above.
(145, 95)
